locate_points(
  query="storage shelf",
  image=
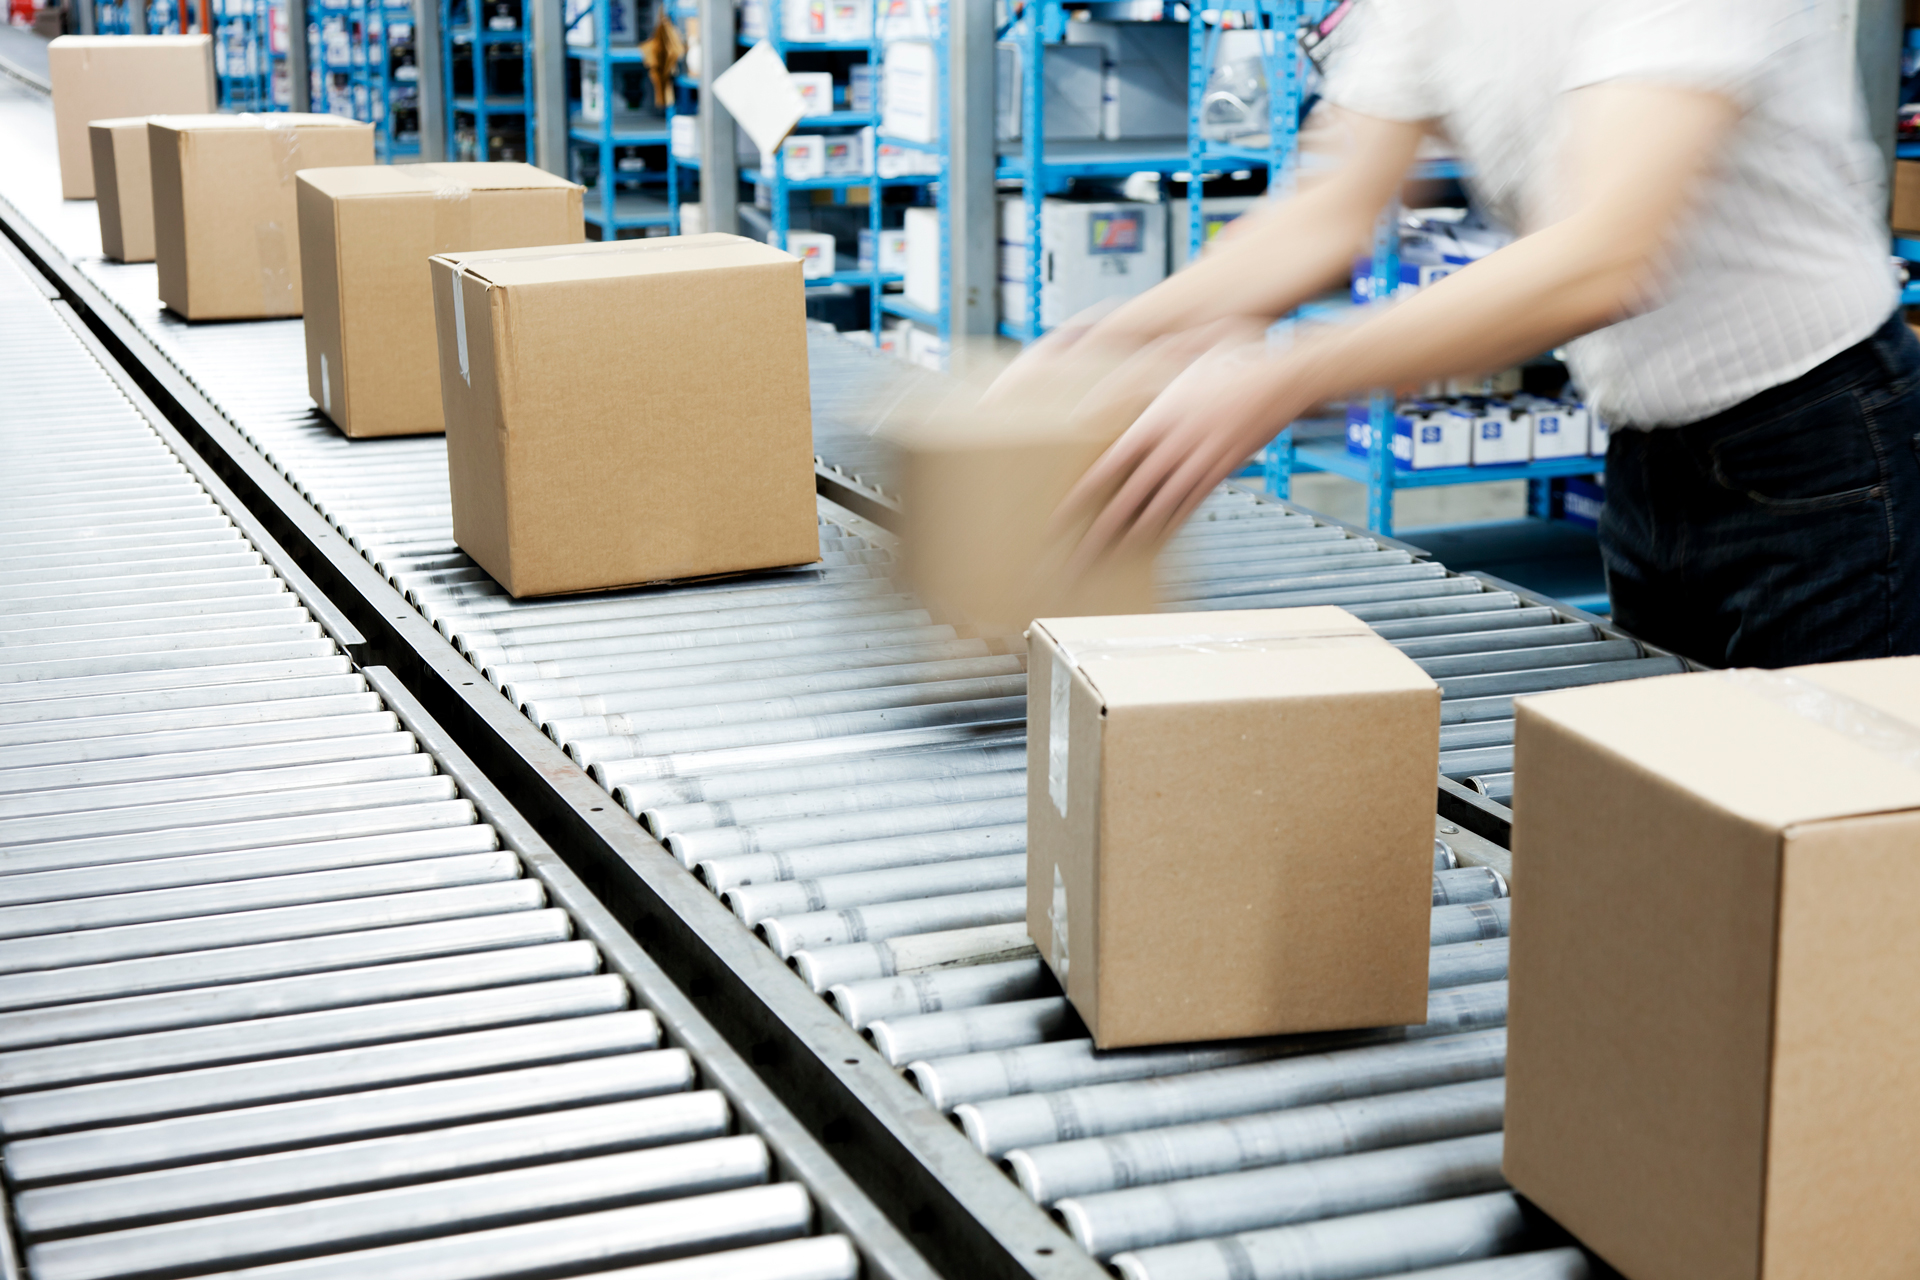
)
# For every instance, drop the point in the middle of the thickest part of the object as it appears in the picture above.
(824, 46)
(895, 305)
(625, 132)
(838, 184)
(617, 53)
(501, 106)
(910, 144)
(1099, 158)
(863, 279)
(630, 209)
(464, 35)
(837, 120)
(1331, 456)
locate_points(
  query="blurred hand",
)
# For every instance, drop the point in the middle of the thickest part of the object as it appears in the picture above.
(1196, 433)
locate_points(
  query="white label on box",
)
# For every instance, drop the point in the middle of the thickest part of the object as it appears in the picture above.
(816, 91)
(326, 387)
(1057, 924)
(460, 330)
(1059, 693)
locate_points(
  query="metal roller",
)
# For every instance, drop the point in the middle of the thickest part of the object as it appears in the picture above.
(107, 796)
(194, 764)
(68, 668)
(698, 614)
(84, 708)
(1465, 626)
(429, 1209)
(291, 1176)
(814, 929)
(995, 1026)
(517, 673)
(1494, 786)
(579, 1242)
(198, 900)
(1089, 1166)
(961, 987)
(89, 750)
(953, 782)
(826, 967)
(818, 1258)
(111, 726)
(617, 773)
(754, 903)
(723, 875)
(1547, 1264)
(1480, 733)
(1363, 1244)
(238, 674)
(660, 641)
(1143, 1217)
(1508, 683)
(1454, 641)
(1463, 964)
(199, 969)
(1504, 660)
(84, 835)
(1467, 884)
(501, 893)
(1010, 806)
(615, 1058)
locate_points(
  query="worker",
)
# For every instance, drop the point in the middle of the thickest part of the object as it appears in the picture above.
(1695, 203)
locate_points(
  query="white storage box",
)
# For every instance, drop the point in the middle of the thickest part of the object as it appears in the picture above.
(1144, 81)
(815, 251)
(1089, 253)
(922, 235)
(883, 251)
(1559, 430)
(816, 90)
(1428, 438)
(1216, 212)
(1501, 433)
(908, 83)
(1071, 96)
(683, 135)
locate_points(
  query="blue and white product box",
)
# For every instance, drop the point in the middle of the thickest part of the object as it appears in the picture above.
(1425, 436)
(1582, 501)
(683, 136)
(1597, 433)
(1501, 433)
(883, 251)
(1560, 429)
(861, 78)
(816, 92)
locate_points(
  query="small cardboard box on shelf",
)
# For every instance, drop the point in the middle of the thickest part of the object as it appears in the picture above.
(365, 236)
(1714, 1063)
(626, 412)
(1230, 823)
(225, 219)
(123, 187)
(109, 77)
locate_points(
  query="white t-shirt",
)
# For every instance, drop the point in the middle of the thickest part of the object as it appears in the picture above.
(1782, 263)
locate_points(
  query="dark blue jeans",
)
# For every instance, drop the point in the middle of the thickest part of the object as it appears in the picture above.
(1783, 530)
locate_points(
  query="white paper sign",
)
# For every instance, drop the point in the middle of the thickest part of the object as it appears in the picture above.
(759, 93)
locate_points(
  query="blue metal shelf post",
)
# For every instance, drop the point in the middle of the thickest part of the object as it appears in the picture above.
(485, 103)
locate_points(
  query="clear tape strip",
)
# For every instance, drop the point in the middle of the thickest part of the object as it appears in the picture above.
(1872, 728)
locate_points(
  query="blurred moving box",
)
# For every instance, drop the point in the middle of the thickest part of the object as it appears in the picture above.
(1230, 823)
(1906, 197)
(108, 77)
(1714, 1061)
(626, 412)
(225, 223)
(366, 232)
(123, 183)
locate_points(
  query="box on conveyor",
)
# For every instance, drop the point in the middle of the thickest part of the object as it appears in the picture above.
(626, 412)
(980, 481)
(107, 77)
(366, 233)
(1230, 823)
(1714, 1063)
(123, 186)
(225, 224)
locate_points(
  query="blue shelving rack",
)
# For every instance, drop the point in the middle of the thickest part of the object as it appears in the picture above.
(619, 202)
(462, 24)
(243, 53)
(1277, 21)
(1042, 169)
(355, 44)
(940, 320)
(780, 187)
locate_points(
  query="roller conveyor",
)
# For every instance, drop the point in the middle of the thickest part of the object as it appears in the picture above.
(846, 772)
(287, 990)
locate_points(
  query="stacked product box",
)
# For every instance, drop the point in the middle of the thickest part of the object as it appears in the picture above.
(1431, 249)
(1481, 431)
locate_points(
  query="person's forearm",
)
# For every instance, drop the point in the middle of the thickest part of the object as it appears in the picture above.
(1529, 297)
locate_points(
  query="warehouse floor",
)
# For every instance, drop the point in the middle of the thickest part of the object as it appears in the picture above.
(23, 49)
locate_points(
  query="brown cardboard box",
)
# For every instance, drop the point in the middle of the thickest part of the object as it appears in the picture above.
(366, 233)
(225, 228)
(1230, 822)
(1906, 197)
(105, 77)
(1714, 1056)
(626, 412)
(123, 181)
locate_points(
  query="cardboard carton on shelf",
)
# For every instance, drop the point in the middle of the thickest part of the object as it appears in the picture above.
(109, 77)
(577, 466)
(225, 218)
(1906, 198)
(1230, 823)
(366, 233)
(1714, 1064)
(123, 183)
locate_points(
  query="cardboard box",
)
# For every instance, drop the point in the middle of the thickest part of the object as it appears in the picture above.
(1557, 430)
(366, 233)
(1501, 434)
(123, 185)
(576, 465)
(110, 77)
(1230, 823)
(980, 482)
(225, 218)
(1906, 197)
(1714, 1063)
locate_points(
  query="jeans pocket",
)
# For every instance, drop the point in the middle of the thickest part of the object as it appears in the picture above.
(1823, 455)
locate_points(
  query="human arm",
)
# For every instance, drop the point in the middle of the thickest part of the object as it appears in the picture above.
(1633, 158)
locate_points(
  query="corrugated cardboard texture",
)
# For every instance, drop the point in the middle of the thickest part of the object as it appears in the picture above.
(123, 178)
(1649, 998)
(1843, 1168)
(629, 412)
(105, 77)
(225, 225)
(365, 236)
(1247, 847)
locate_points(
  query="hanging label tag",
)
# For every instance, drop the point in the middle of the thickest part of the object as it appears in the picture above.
(460, 330)
(1060, 691)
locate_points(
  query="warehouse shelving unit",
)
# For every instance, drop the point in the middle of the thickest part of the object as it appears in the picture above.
(618, 201)
(464, 27)
(364, 67)
(243, 55)
(941, 148)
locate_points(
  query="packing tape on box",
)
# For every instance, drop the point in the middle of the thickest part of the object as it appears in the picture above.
(1870, 727)
(1078, 653)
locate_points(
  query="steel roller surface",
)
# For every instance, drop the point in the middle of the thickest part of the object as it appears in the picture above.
(279, 994)
(843, 767)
